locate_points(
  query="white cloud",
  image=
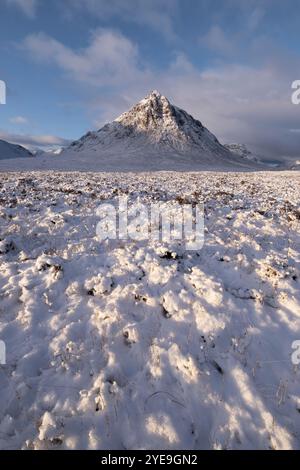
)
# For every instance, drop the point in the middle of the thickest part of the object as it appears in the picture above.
(27, 6)
(33, 141)
(218, 41)
(110, 58)
(19, 120)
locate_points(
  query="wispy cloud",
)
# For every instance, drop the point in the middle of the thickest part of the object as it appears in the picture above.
(108, 59)
(157, 14)
(19, 120)
(28, 7)
(216, 40)
(255, 18)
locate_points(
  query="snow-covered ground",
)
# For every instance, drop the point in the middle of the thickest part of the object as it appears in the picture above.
(119, 345)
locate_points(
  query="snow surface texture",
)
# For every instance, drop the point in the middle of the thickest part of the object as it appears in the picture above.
(153, 135)
(121, 345)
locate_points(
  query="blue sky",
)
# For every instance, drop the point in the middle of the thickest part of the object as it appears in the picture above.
(72, 65)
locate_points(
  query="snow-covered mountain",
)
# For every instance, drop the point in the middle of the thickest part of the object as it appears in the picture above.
(154, 134)
(293, 166)
(242, 151)
(11, 151)
(155, 123)
(42, 153)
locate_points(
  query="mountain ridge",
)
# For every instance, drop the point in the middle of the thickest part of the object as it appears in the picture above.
(11, 151)
(156, 135)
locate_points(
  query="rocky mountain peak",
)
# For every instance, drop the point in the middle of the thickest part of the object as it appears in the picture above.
(155, 127)
(152, 112)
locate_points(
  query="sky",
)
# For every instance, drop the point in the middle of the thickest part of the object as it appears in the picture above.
(72, 65)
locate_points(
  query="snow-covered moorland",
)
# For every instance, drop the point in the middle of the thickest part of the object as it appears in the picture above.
(137, 345)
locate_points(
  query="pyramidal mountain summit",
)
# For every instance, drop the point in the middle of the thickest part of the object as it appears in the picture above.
(153, 122)
(153, 135)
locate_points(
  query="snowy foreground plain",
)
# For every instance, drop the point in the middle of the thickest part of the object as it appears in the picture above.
(119, 345)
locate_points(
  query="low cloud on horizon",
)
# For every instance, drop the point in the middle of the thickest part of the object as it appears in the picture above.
(33, 142)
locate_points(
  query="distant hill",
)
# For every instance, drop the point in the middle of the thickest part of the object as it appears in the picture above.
(11, 151)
